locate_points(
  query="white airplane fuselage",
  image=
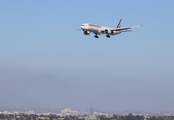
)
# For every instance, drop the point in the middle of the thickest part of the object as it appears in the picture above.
(97, 29)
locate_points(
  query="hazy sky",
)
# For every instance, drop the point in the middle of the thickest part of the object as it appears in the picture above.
(38, 38)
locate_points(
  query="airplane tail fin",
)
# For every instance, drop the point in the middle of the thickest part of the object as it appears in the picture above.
(119, 24)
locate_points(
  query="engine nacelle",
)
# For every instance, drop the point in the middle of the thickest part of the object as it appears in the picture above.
(108, 31)
(111, 32)
(87, 32)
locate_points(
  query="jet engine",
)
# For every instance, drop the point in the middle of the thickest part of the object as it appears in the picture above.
(87, 32)
(108, 31)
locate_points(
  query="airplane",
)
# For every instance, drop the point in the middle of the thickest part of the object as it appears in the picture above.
(98, 30)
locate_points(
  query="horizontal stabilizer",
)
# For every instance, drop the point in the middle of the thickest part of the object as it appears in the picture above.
(126, 28)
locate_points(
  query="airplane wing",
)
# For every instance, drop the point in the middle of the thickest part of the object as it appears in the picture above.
(126, 31)
(78, 29)
(125, 28)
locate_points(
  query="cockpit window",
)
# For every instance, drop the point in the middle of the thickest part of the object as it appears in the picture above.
(82, 25)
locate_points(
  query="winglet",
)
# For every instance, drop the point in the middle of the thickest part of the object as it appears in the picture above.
(119, 24)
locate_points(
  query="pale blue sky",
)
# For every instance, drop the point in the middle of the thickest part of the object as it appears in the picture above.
(39, 36)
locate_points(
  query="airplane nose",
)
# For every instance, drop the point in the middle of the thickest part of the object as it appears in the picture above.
(82, 27)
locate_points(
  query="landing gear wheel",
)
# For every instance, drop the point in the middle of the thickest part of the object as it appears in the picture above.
(96, 36)
(107, 36)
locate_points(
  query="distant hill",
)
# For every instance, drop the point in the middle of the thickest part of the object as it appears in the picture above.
(48, 91)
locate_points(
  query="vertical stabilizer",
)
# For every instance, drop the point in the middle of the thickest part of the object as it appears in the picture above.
(119, 24)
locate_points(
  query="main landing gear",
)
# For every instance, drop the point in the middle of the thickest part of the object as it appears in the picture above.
(107, 36)
(96, 36)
